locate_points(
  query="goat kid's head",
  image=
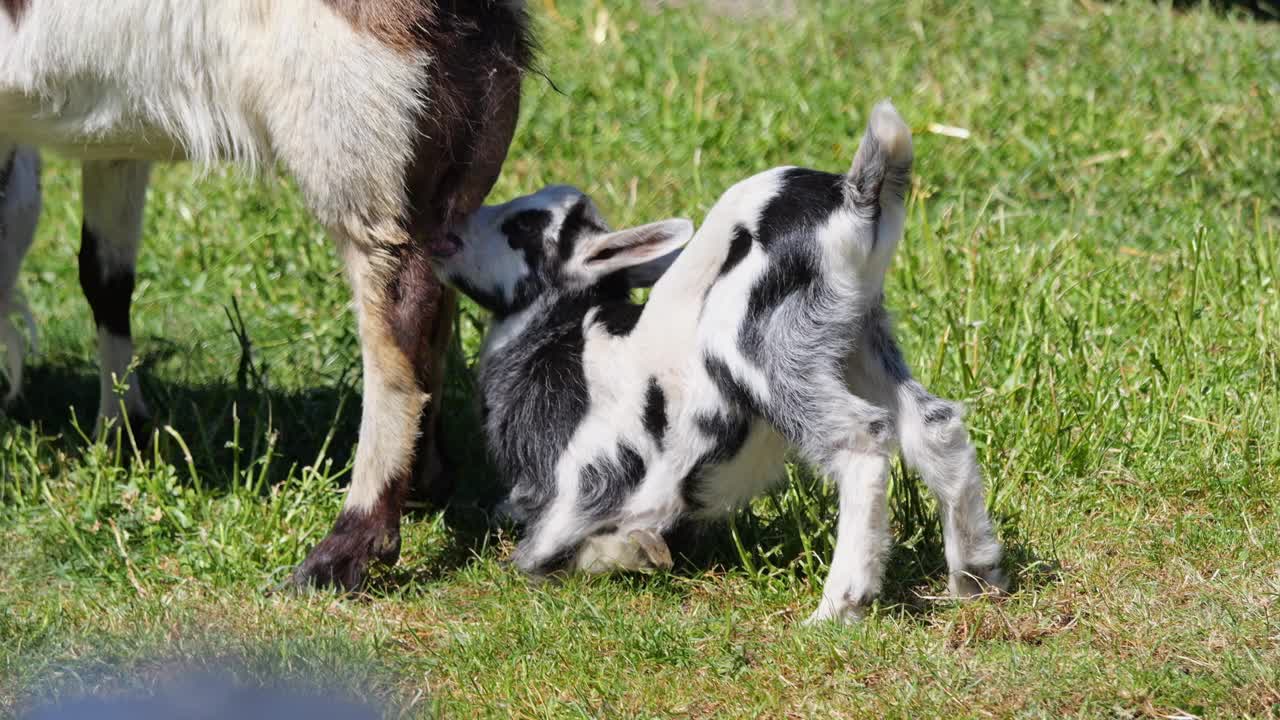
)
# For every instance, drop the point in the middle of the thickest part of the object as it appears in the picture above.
(506, 256)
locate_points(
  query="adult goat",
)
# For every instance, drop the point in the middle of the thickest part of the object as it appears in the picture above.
(394, 117)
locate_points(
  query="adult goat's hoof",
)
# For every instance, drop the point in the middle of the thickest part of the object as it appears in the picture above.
(342, 560)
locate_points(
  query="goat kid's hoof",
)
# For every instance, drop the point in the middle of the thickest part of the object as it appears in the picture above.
(342, 560)
(656, 554)
(978, 582)
(637, 551)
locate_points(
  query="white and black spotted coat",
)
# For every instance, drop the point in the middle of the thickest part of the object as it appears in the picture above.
(607, 417)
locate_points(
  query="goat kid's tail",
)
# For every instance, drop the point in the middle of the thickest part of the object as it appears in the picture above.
(881, 172)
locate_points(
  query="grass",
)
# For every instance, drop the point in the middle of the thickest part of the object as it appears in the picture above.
(1094, 270)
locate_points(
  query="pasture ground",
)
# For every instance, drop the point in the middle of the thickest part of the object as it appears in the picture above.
(1093, 269)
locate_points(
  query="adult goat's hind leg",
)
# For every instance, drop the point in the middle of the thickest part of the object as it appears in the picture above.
(19, 211)
(434, 474)
(115, 193)
(396, 153)
(935, 443)
(399, 306)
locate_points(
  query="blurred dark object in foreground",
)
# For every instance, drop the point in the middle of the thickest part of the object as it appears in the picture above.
(208, 696)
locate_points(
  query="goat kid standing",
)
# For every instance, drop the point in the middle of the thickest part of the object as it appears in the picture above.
(613, 421)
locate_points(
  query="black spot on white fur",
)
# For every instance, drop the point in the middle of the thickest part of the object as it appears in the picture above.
(608, 481)
(655, 412)
(805, 199)
(787, 230)
(619, 318)
(738, 249)
(734, 393)
(581, 218)
(725, 430)
(525, 229)
(725, 434)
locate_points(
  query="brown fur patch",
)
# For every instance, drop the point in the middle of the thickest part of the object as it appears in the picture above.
(15, 8)
(420, 312)
(480, 50)
(433, 475)
(413, 300)
(414, 25)
(391, 21)
(479, 59)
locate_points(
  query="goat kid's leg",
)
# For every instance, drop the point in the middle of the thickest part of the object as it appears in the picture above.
(19, 211)
(848, 436)
(857, 460)
(404, 323)
(935, 443)
(115, 194)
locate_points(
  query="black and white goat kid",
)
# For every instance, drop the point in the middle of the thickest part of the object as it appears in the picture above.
(612, 421)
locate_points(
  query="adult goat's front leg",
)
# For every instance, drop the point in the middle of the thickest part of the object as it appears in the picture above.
(401, 307)
(114, 196)
(19, 210)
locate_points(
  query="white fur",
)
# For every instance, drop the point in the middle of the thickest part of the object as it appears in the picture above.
(250, 81)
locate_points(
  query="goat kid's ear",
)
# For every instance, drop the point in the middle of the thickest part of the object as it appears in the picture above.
(643, 252)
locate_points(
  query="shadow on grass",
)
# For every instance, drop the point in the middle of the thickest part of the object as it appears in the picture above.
(246, 423)
(1257, 9)
(220, 423)
(268, 434)
(765, 545)
(225, 424)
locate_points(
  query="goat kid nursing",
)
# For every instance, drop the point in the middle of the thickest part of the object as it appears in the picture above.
(612, 421)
